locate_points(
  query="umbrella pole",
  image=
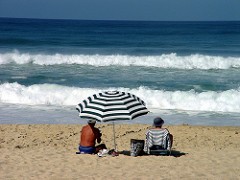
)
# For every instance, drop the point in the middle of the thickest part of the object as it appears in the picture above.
(114, 138)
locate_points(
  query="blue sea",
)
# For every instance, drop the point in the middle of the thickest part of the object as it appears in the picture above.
(186, 72)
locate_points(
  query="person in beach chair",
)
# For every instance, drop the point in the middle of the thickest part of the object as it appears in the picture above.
(89, 136)
(158, 140)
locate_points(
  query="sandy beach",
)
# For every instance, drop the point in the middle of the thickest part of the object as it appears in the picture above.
(49, 152)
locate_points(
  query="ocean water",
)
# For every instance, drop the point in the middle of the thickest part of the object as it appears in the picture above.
(186, 72)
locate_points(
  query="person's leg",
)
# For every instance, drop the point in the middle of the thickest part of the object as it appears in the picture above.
(99, 147)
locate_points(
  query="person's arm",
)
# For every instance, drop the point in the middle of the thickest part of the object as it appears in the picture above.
(99, 134)
(166, 139)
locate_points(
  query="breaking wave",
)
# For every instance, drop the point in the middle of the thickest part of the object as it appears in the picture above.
(195, 61)
(57, 95)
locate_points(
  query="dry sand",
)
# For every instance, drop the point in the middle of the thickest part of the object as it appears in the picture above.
(49, 152)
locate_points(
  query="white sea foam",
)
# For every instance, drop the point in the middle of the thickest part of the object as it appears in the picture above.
(195, 61)
(57, 95)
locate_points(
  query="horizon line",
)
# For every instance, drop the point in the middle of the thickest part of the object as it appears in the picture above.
(119, 20)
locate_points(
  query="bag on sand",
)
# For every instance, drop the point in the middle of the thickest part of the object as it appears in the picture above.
(136, 147)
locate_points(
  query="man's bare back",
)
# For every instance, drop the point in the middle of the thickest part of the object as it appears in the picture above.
(89, 135)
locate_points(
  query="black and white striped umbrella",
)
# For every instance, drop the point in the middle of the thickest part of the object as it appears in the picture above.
(112, 106)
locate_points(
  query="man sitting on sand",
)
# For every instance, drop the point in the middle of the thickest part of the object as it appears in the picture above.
(158, 137)
(89, 136)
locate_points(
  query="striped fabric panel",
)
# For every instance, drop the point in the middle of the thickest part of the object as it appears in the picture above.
(105, 119)
(138, 113)
(116, 115)
(106, 101)
(117, 96)
(89, 102)
(112, 108)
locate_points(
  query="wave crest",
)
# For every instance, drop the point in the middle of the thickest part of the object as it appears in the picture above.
(57, 95)
(195, 61)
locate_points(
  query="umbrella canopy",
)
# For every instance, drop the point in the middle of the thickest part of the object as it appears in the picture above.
(112, 106)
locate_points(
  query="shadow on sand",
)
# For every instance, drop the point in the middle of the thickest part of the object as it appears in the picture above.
(174, 153)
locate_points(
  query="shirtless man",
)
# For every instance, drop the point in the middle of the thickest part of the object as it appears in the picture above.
(89, 136)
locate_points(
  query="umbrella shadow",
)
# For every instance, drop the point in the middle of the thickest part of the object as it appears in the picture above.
(174, 153)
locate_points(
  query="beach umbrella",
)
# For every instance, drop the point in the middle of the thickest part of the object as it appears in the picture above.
(112, 106)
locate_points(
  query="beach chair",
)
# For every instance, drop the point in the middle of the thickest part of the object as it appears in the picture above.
(159, 150)
(158, 142)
